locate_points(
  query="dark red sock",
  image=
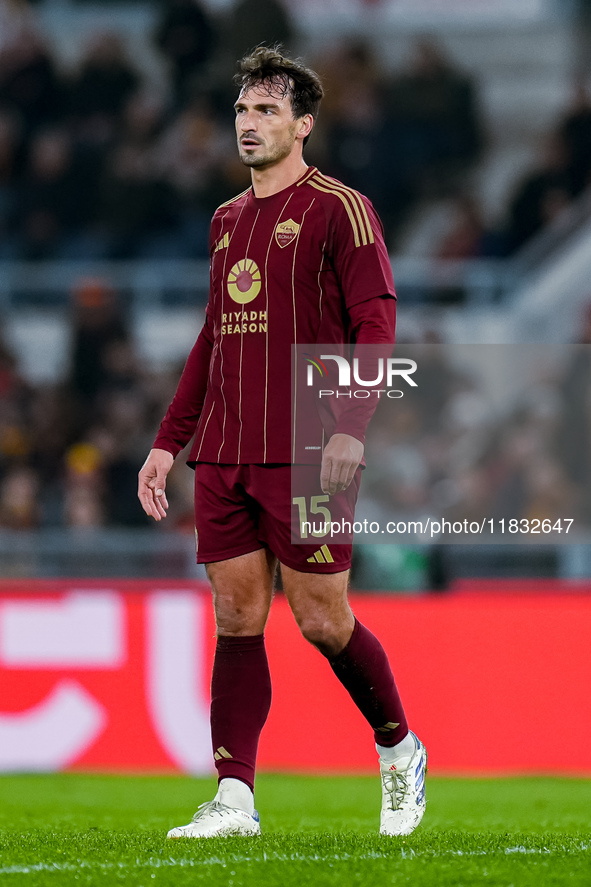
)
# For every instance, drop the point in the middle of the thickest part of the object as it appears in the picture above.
(363, 669)
(240, 702)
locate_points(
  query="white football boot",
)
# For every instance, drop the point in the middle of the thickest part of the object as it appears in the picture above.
(219, 818)
(403, 792)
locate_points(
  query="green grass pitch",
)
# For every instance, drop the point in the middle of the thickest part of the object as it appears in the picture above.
(78, 829)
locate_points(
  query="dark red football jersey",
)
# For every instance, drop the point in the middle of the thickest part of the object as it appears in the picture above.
(285, 269)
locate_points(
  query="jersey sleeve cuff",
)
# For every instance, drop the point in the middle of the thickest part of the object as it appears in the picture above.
(162, 443)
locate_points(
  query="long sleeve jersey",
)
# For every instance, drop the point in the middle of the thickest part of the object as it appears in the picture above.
(306, 265)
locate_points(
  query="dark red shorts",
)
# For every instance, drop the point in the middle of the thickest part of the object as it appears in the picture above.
(241, 508)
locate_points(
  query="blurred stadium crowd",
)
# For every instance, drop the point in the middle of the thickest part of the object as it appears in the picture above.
(96, 164)
(70, 451)
(460, 450)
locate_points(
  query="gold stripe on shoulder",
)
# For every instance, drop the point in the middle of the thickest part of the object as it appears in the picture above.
(357, 202)
(233, 199)
(312, 171)
(319, 187)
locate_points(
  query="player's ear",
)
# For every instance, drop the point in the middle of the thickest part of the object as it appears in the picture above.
(305, 125)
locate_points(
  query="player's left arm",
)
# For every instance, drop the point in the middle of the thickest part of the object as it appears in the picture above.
(340, 460)
(362, 263)
(373, 323)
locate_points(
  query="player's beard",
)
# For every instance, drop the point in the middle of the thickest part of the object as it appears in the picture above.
(269, 157)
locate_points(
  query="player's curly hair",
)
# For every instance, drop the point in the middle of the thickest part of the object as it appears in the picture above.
(268, 68)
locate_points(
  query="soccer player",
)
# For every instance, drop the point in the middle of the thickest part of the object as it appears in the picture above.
(297, 258)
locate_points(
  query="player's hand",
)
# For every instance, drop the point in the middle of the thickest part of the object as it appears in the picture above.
(152, 483)
(340, 461)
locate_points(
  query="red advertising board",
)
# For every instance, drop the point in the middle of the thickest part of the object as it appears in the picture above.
(114, 675)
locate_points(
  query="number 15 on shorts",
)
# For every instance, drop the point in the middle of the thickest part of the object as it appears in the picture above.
(314, 517)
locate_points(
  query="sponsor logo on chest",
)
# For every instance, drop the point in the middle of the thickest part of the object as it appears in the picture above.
(244, 281)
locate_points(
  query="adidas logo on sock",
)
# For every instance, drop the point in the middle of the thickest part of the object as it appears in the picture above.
(222, 753)
(391, 725)
(322, 556)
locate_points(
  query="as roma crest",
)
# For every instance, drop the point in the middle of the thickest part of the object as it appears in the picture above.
(285, 232)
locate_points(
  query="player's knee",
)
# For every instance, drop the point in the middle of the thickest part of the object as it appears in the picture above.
(232, 618)
(322, 633)
(239, 623)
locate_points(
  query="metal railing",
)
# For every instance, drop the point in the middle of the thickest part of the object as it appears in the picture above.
(99, 553)
(147, 554)
(27, 285)
(137, 283)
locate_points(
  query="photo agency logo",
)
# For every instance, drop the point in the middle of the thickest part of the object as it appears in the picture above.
(362, 377)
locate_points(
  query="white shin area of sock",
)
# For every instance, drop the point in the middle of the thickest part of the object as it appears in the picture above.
(235, 793)
(400, 753)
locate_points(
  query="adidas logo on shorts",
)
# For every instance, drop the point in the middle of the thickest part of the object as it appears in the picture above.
(322, 556)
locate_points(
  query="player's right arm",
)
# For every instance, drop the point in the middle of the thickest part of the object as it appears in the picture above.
(178, 426)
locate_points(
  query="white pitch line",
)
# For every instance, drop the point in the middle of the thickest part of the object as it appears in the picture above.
(157, 862)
